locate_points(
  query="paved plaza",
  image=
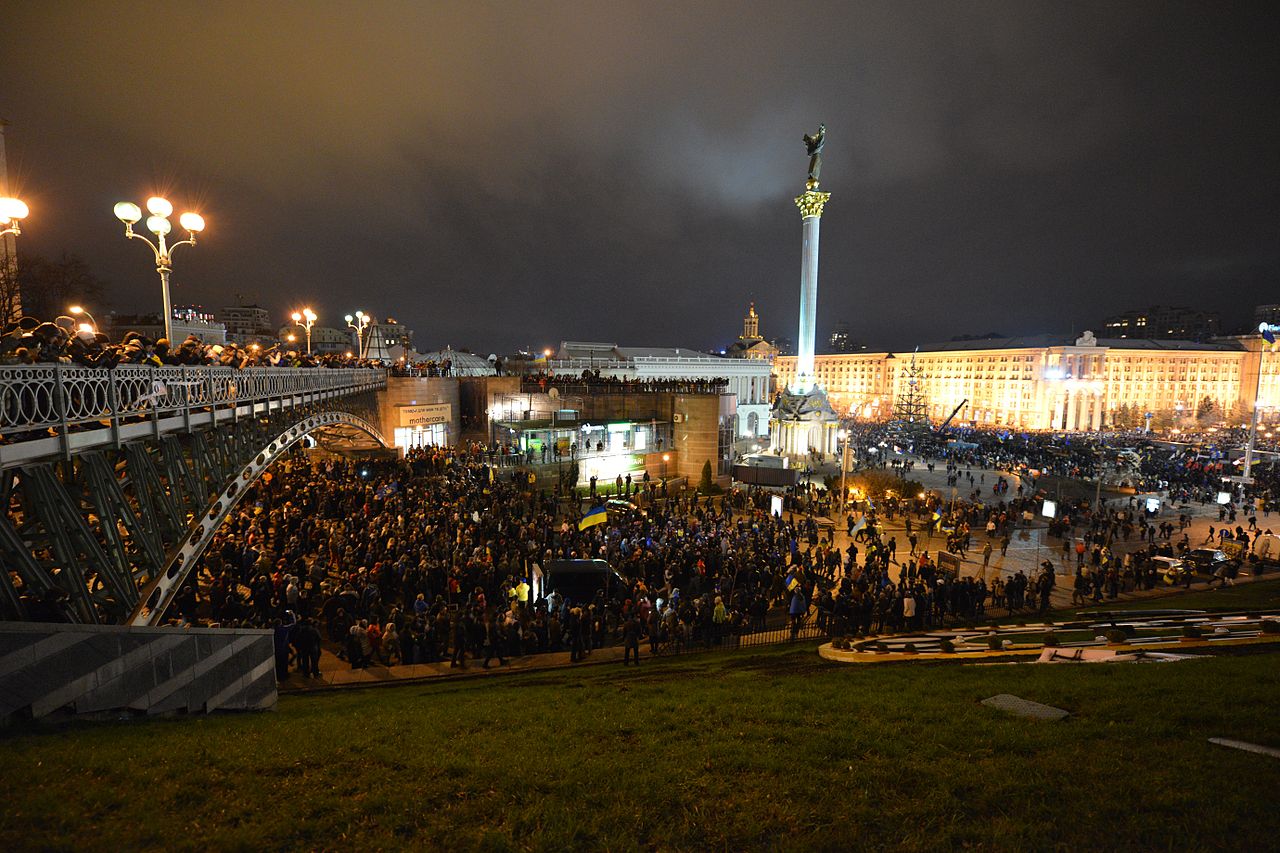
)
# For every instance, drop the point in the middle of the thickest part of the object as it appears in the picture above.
(1032, 545)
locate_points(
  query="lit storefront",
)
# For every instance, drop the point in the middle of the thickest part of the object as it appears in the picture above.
(423, 425)
(603, 450)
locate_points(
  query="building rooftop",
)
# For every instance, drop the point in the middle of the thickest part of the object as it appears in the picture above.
(1042, 341)
(601, 351)
(463, 363)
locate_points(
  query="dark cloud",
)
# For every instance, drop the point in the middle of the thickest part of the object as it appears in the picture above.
(506, 174)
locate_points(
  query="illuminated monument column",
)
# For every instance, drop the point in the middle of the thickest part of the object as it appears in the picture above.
(803, 421)
(810, 205)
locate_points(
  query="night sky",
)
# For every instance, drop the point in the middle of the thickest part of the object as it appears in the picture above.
(514, 174)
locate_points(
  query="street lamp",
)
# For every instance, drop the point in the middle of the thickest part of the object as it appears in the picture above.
(358, 324)
(305, 321)
(159, 225)
(12, 212)
(77, 311)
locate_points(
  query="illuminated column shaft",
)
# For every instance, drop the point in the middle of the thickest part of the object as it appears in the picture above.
(808, 304)
(810, 204)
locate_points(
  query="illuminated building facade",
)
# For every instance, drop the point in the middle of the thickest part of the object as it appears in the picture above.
(1042, 383)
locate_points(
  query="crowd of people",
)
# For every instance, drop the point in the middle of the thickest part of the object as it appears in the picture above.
(593, 381)
(29, 341)
(446, 555)
(442, 556)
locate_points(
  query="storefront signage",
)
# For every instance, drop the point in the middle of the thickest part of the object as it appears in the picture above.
(423, 416)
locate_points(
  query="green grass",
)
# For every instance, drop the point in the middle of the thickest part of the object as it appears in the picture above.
(1255, 595)
(772, 750)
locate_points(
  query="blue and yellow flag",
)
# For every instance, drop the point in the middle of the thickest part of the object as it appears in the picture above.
(792, 582)
(594, 516)
(862, 522)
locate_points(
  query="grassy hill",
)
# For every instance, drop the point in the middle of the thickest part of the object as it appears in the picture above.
(771, 750)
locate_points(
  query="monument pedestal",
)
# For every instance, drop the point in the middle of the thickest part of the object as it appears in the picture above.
(803, 423)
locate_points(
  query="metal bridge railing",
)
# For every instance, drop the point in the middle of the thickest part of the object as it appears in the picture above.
(35, 398)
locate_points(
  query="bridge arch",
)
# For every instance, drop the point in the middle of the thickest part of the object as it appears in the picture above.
(159, 592)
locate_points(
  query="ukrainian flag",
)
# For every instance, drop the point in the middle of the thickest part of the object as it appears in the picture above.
(792, 582)
(862, 522)
(937, 517)
(594, 516)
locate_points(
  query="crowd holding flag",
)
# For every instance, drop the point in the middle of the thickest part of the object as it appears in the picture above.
(595, 515)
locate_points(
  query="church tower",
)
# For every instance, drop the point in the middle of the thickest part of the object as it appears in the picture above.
(751, 324)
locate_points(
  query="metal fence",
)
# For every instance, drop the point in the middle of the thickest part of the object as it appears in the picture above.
(38, 397)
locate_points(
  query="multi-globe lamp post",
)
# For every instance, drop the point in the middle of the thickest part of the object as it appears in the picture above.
(159, 225)
(358, 323)
(305, 319)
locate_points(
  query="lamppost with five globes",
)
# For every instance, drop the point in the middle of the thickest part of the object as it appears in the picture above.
(358, 324)
(159, 225)
(305, 320)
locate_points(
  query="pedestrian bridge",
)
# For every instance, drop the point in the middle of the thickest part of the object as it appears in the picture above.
(114, 481)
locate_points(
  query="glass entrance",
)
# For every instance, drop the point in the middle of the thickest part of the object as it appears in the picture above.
(408, 438)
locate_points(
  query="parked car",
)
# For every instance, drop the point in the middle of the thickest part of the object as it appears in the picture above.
(1208, 560)
(621, 511)
(1173, 570)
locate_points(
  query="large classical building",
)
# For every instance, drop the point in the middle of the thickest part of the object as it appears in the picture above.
(1047, 383)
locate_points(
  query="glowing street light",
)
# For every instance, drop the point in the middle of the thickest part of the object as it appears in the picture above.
(76, 310)
(12, 212)
(305, 321)
(358, 324)
(159, 225)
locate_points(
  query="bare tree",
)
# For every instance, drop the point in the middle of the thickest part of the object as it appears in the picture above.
(10, 291)
(47, 287)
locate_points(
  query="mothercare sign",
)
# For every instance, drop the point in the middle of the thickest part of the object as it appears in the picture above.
(420, 416)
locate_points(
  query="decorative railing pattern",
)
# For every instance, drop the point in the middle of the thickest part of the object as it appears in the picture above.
(36, 397)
